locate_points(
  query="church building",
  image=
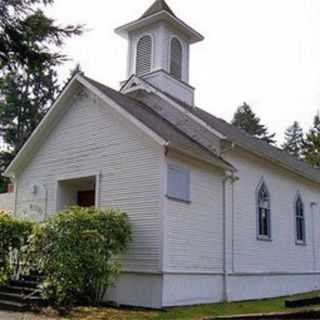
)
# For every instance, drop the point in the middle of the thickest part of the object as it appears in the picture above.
(216, 214)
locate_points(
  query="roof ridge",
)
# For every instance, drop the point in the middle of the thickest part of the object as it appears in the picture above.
(252, 143)
(272, 148)
(247, 133)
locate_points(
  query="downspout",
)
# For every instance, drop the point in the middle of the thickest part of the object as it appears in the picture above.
(224, 236)
(229, 176)
(313, 206)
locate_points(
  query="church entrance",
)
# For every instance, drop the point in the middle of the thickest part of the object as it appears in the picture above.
(76, 192)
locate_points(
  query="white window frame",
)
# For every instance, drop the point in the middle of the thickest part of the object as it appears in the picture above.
(85, 174)
(136, 52)
(260, 236)
(303, 218)
(182, 57)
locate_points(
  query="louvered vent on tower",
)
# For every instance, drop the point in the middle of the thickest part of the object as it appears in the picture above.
(176, 59)
(144, 55)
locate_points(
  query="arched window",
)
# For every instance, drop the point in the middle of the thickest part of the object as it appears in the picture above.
(263, 212)
(144, 55)
(300, 221)
(176, 59)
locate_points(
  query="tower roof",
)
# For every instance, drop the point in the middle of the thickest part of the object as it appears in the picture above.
(158, 6)
(160, 11)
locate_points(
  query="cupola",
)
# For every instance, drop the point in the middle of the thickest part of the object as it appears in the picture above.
(159, 47)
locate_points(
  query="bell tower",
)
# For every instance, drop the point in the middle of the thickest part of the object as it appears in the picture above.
(159, 47)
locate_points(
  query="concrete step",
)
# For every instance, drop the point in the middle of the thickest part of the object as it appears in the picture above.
(15, 297)
(12, 306)
(16, 289)
(20, 295)
(24, 284)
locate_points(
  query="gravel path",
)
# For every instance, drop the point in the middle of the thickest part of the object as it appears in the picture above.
(21, 316)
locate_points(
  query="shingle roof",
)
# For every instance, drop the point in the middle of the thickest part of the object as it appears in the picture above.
(177, 138)
(184, 134)
(158, 6)
(182, 121)
(252, 144)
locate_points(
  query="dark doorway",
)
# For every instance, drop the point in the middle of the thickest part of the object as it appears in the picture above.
(86, 198)
(77, 191)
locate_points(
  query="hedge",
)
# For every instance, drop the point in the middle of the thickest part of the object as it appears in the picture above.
(75, 250)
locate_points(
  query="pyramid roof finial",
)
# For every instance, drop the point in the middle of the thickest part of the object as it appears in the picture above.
(158, 6)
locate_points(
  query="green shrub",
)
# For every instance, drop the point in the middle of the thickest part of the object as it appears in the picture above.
(75, 250)
(14, 234)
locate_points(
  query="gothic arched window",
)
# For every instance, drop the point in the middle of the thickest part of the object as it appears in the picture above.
(144, 55)
(176, 59)
(263, 212)
(300, 221)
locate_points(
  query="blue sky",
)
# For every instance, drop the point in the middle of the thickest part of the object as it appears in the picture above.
(264, 52)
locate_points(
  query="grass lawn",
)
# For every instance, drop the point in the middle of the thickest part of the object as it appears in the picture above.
(194, 313)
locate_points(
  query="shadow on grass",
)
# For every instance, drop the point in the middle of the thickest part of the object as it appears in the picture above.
(194, 312)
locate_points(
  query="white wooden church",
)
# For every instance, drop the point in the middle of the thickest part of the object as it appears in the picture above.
(216, 214)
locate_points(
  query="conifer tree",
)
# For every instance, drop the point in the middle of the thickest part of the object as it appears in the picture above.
(247, 120)
(293, 143)
(311, 146)
(30, 54)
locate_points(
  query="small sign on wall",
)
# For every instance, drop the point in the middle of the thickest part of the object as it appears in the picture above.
(35, 203)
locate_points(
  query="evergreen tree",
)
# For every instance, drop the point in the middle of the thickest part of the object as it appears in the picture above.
(30, 53)
(293, 143)
(311, 146)
(247, 120)
(4, 160)
(28, 36)
(76, 69)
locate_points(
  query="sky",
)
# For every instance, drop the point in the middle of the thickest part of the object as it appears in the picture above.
(263, 52)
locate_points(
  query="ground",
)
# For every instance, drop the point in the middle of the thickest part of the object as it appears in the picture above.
(187, 313)
(19, 316)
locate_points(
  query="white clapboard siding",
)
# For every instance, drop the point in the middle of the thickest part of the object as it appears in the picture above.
(7, 201)
(194, 230)
(92, 138)
(281, 254)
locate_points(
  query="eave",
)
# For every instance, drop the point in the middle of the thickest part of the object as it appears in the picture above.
(190, 33)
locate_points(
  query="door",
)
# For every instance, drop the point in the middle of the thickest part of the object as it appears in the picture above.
(86, 198)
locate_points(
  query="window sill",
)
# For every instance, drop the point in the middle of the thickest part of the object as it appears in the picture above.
(178, 200)
(264, 238)
(301, 243)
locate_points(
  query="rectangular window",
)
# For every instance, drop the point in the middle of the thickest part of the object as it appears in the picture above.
(178, 183)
